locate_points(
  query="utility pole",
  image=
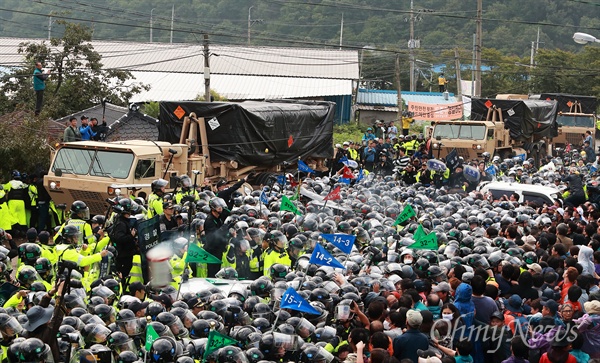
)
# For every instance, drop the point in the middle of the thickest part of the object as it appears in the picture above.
(341, 31)
(206, 70)
(249, 23)
(49, 27)
(411, 48)
(172, 18)
(473, 66)
(458, 78)
(399, 100)
(151, 13)
(478, 48)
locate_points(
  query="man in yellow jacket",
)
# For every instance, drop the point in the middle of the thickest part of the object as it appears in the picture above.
(278, 252)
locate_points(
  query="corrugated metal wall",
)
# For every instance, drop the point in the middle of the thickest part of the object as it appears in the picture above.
(343, 110)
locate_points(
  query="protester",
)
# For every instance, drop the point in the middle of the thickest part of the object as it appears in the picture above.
(431, 270)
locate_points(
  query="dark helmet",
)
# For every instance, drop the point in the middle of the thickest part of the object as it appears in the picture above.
(124, 206)
(261, 287)
(313, 354)
(80, 209)
(200, 329)
(70, 231)
(321, 295)
(9, 325)
(153, 309)
(231, 354)
(29, 253)
(27, 276)
(277, 272)
(254, 355)
(127, 357)
(227, 273)
(113, 285)
(34, 350)
(164, 350)
(98, 219)
(215, 203)
(43, 266)
(106, 313)
(422, 264)
(434, 271)
(158, 184)
(530, 257)
(262, 310)
(119, 342)
(16, 175)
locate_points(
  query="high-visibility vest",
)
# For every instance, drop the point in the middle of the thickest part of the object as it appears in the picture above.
(136, 274)
(276, 257)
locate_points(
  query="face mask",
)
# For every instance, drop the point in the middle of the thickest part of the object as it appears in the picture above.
(386, 325)
(448, 317)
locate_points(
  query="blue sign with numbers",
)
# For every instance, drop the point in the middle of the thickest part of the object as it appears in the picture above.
(340, 240)
(321, 257)
(292, 300)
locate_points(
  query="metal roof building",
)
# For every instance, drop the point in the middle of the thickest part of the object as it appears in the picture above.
(176, 71)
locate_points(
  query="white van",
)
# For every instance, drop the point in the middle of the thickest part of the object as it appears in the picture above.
(537, 194)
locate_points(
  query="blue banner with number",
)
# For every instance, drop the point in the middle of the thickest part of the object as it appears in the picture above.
(340, 240)
(292, 300)
(263, 198)
(321, 257)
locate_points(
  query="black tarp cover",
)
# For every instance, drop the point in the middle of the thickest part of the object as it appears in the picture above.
(530, 118)
(256, 133)
(589, 104)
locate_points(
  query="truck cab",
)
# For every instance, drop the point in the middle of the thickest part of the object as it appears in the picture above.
(572, 127)
(92, 171)
(470, 139)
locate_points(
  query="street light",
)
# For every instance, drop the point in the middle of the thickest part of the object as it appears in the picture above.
(584, 38)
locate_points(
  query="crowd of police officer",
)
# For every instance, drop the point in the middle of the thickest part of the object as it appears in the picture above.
(509, 281)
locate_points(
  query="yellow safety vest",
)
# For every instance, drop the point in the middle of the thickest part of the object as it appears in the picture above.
(136, 274)
(155, 205)
(83, 227)
(276, 257)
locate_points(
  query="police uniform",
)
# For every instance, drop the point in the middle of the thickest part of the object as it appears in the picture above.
(274, 257)
(84, 228)
(155, 205)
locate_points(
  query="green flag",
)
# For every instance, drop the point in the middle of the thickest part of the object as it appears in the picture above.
(406, 214)
(419, 233)
(217, 340)
(151, 336)
(296, 195)
(428, 242)
(199, 255)
(286, 204)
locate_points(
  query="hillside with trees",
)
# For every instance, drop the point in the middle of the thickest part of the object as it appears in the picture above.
(380, 29)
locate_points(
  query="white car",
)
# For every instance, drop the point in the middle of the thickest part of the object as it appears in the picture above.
(537, 194)
(198, 284)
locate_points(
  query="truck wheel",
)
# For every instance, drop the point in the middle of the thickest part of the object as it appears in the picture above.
(263, 178)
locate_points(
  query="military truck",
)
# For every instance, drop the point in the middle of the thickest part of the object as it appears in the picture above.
(576, 115)
(505, 128)
(206, 141)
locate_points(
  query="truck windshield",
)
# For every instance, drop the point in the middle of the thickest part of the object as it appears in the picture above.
(110, 164)
(573, 120)
(459, 131)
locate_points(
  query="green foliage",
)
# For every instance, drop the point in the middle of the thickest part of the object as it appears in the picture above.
(348, 132)
(214, 95)
(77, 80)
(151, 109)
(23, 145)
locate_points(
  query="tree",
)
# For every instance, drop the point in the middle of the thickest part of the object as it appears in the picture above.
(77, 80)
